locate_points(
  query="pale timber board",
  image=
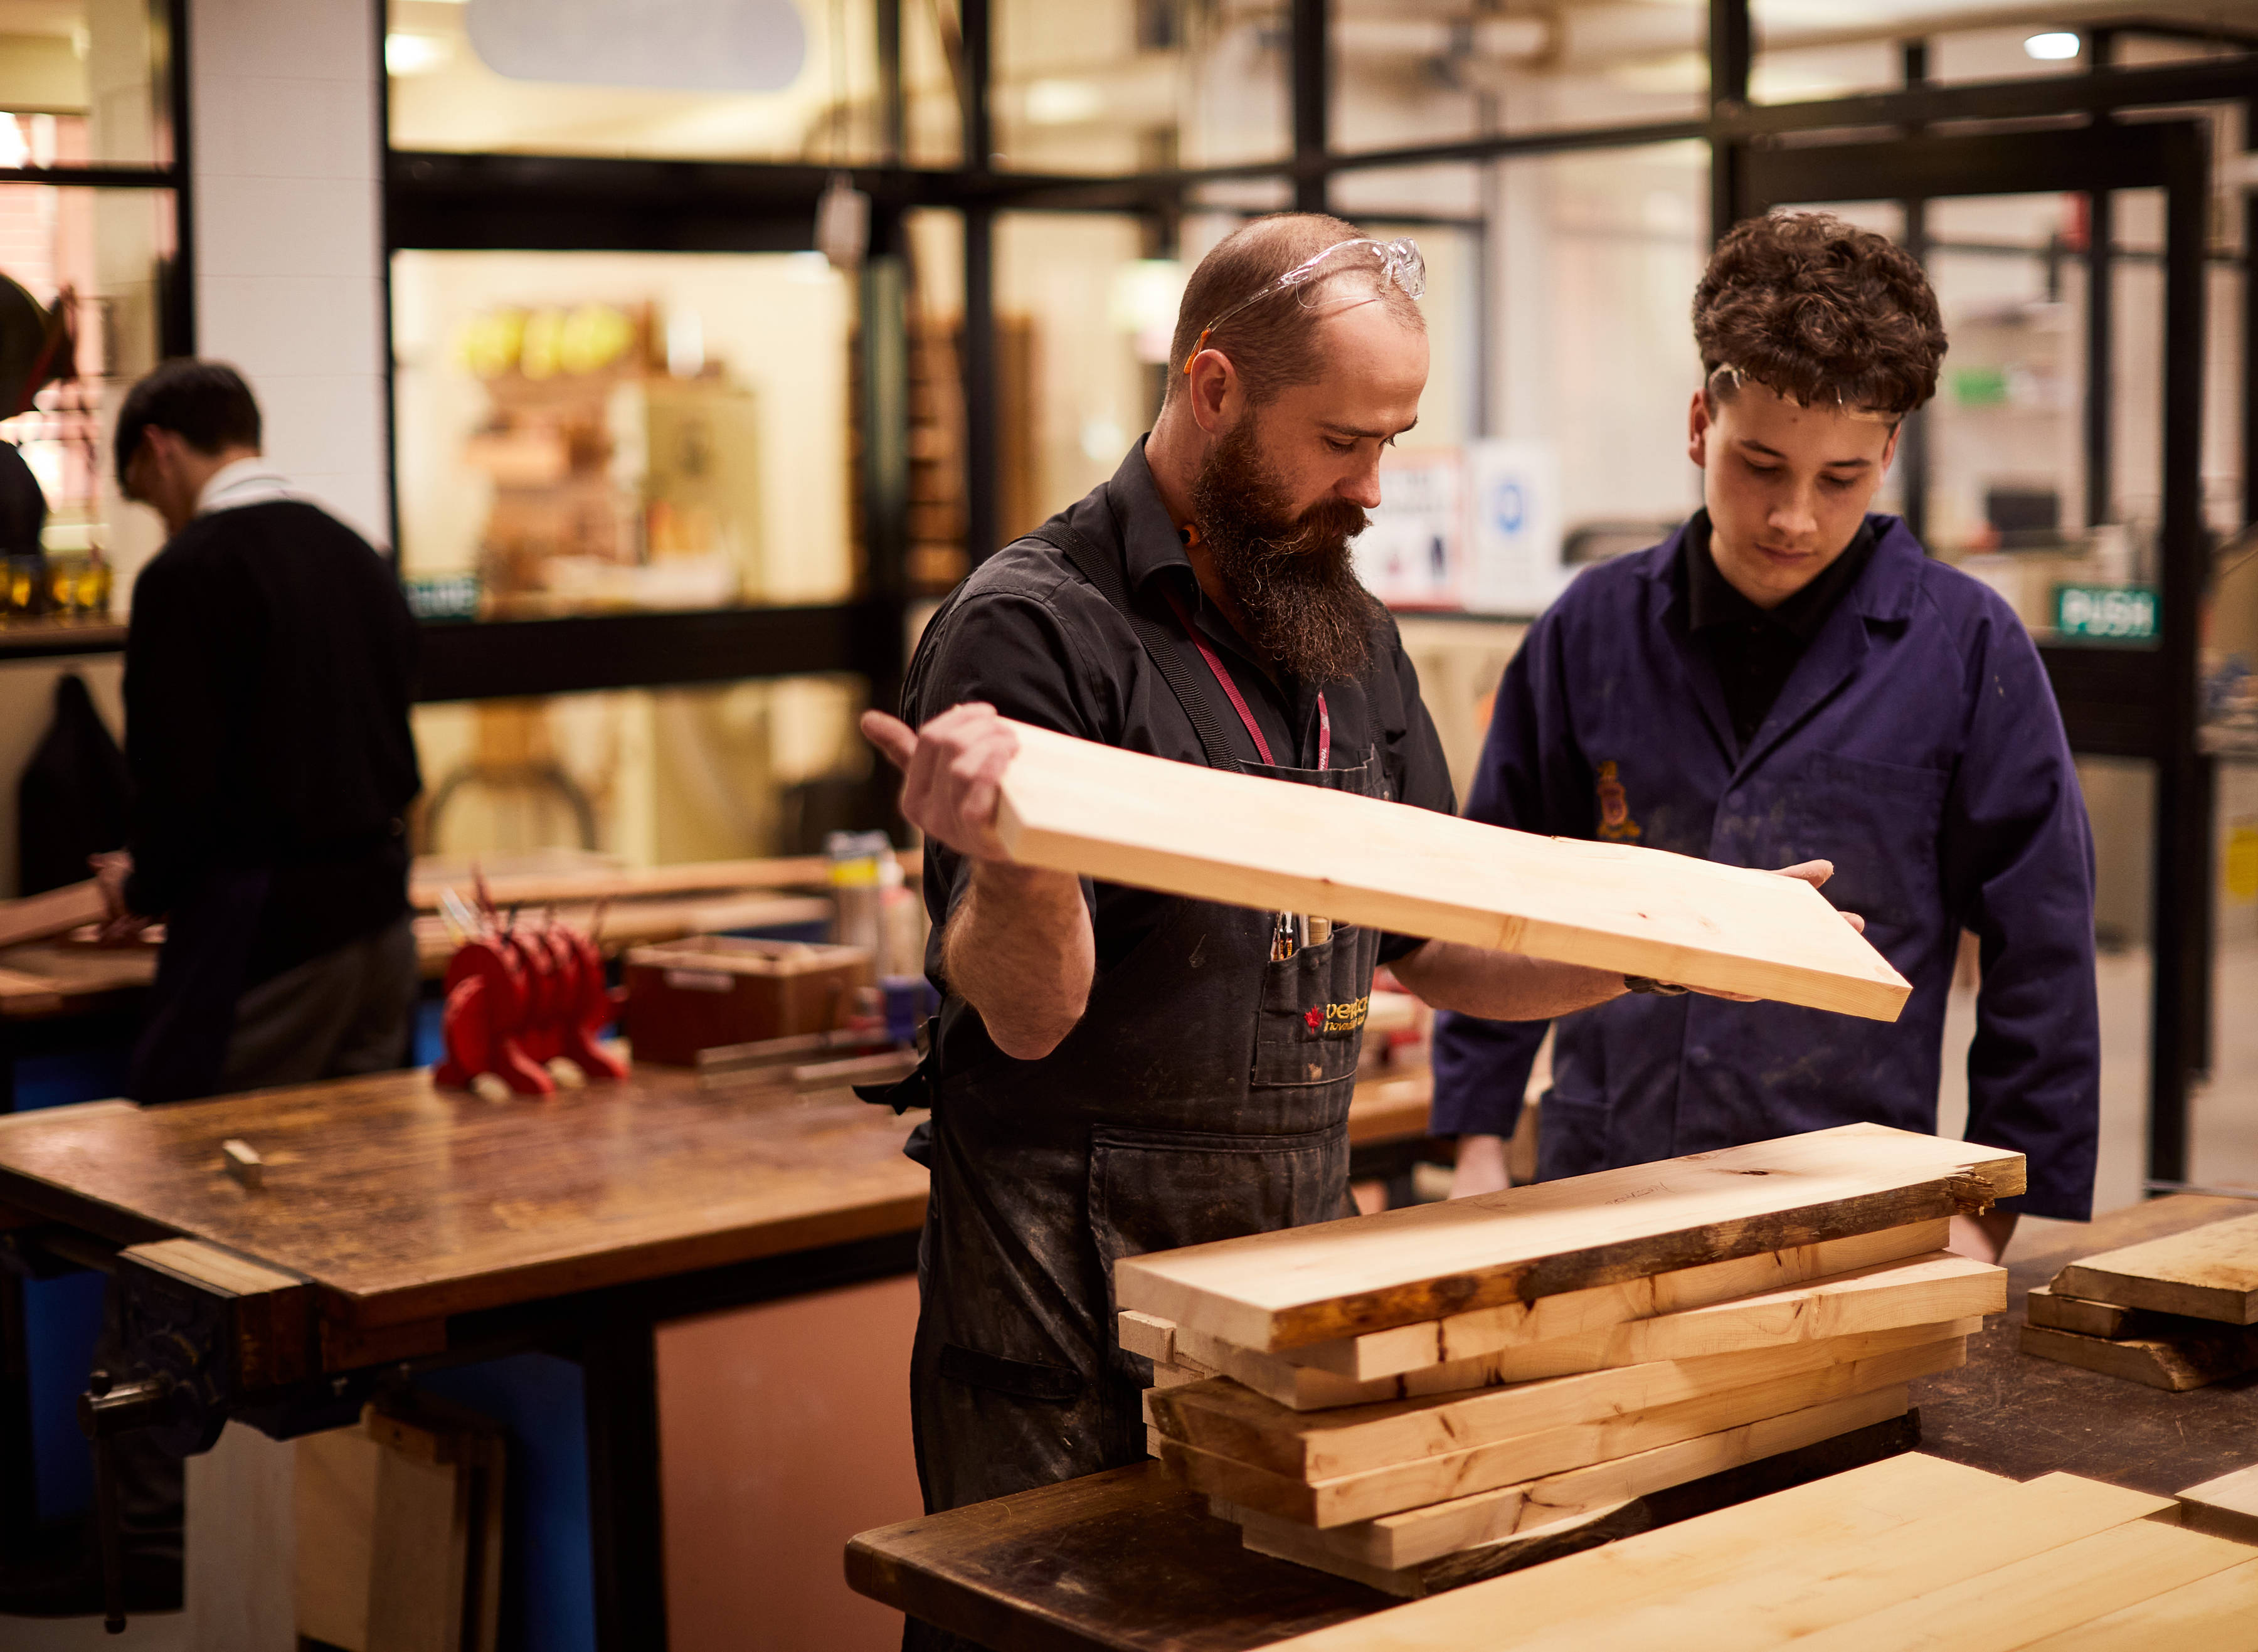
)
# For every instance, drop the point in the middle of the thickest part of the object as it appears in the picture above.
(1847, 1511)
(1185, 829)
(2175, 1365)
(1142, 1333)
(1484, 1330)
(1789, 1567)
(2207, 1272)
(2038, 1596)
(1272, 1291)
(1304, 1546)
(2226, 1506)
(1387, 1491)
(1919, 1291)
(1395, 1541)
(2217, 1613)
(1220, 1416)
(2046, 1306)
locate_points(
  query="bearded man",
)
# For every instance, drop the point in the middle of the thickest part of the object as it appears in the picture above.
(1117, 1071)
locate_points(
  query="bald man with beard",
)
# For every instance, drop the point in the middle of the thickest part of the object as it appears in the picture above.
(1117, 1071)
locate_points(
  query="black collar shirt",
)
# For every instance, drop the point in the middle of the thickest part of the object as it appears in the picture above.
(1756, 650)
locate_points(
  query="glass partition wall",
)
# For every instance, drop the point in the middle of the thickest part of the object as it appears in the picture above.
(715, 365)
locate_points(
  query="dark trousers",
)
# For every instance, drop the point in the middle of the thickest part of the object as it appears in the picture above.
(346, 1013)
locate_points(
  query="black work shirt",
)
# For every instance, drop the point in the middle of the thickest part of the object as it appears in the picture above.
(1755, 650)
(1028, 635)
(268, 675)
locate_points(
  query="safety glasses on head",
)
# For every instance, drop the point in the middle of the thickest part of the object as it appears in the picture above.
(1397, 261)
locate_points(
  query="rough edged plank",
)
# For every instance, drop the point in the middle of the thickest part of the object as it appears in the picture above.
(1273, 1291)
(1767, 1572)
(2208, 1273)
(1485, 1330)
(1100, 811)
(56, 912)
(2177, 1364)
(1923, 1291)
(2226, 1506)
(2041, 1595)
(1221, 1417)
(1369, 1495)
(2043, 1305)
(2217, 1613)
(1849, 1511)
(1396, 1543)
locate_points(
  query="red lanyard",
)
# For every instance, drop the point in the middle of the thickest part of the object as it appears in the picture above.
(1239, 700)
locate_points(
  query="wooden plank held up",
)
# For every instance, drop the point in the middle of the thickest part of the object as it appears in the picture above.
(1078, 806)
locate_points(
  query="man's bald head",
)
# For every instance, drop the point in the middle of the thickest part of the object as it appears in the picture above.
(1278, 343)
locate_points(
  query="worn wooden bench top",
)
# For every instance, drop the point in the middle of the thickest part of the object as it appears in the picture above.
(1131, 1561)
(406, 1202)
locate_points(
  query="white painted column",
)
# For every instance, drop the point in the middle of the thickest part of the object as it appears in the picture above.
(288, 237)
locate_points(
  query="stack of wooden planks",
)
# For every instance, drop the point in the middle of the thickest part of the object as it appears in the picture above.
(1382, 1396)
(2176, 1313)
(1912, 1551)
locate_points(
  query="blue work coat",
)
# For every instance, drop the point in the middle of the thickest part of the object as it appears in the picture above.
(1917, 745)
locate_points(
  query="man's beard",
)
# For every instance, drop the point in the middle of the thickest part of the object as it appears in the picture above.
(1291, 576)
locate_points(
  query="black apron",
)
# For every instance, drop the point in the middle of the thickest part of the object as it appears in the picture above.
(1203, 1095)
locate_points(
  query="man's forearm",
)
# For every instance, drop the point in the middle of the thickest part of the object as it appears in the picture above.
(1502, 986)
(1020, 950)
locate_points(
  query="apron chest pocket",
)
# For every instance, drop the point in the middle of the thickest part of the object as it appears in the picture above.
(1310, 1029)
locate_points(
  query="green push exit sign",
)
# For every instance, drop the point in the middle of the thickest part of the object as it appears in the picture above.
(2107, 614)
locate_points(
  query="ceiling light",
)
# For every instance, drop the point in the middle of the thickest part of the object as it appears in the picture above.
(1064, 102)
(2054, 47)
(414, 53)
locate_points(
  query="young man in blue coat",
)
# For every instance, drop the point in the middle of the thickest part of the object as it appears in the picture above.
(1789, 677)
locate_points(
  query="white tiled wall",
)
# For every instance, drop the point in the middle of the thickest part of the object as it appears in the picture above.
(288, 243)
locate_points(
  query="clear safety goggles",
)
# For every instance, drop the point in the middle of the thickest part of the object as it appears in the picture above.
(1397, 261)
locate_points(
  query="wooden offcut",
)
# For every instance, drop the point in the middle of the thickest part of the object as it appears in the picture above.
(1077, 806)
(1275, 1290)
(1410, 1484)
(2209, 1272)
(2175, 1363)
(1919, 1291)
(2044, 1306)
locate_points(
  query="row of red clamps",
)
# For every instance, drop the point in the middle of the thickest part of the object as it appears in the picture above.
(520, 1001)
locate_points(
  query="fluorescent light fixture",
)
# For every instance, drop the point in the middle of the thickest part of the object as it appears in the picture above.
(2056, 45)
(1059, 103)
(414, 53)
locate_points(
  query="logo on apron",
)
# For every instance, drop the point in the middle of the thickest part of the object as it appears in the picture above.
(1337, 1020)
(1616, 824)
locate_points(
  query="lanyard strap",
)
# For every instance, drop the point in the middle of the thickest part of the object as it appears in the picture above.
(1238, 701)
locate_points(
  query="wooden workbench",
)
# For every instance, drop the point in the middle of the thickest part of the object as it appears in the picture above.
(434, 1226)
(1131, 1561)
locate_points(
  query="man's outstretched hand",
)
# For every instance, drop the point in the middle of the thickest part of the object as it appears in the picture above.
(950, 771)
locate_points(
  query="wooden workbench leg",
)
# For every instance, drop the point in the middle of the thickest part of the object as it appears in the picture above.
(625, 1525)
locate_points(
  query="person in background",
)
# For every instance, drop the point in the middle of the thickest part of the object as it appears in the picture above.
(1790, 677)
(269, 674)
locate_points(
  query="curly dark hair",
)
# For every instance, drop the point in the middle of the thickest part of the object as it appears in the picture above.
(1819, 311)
